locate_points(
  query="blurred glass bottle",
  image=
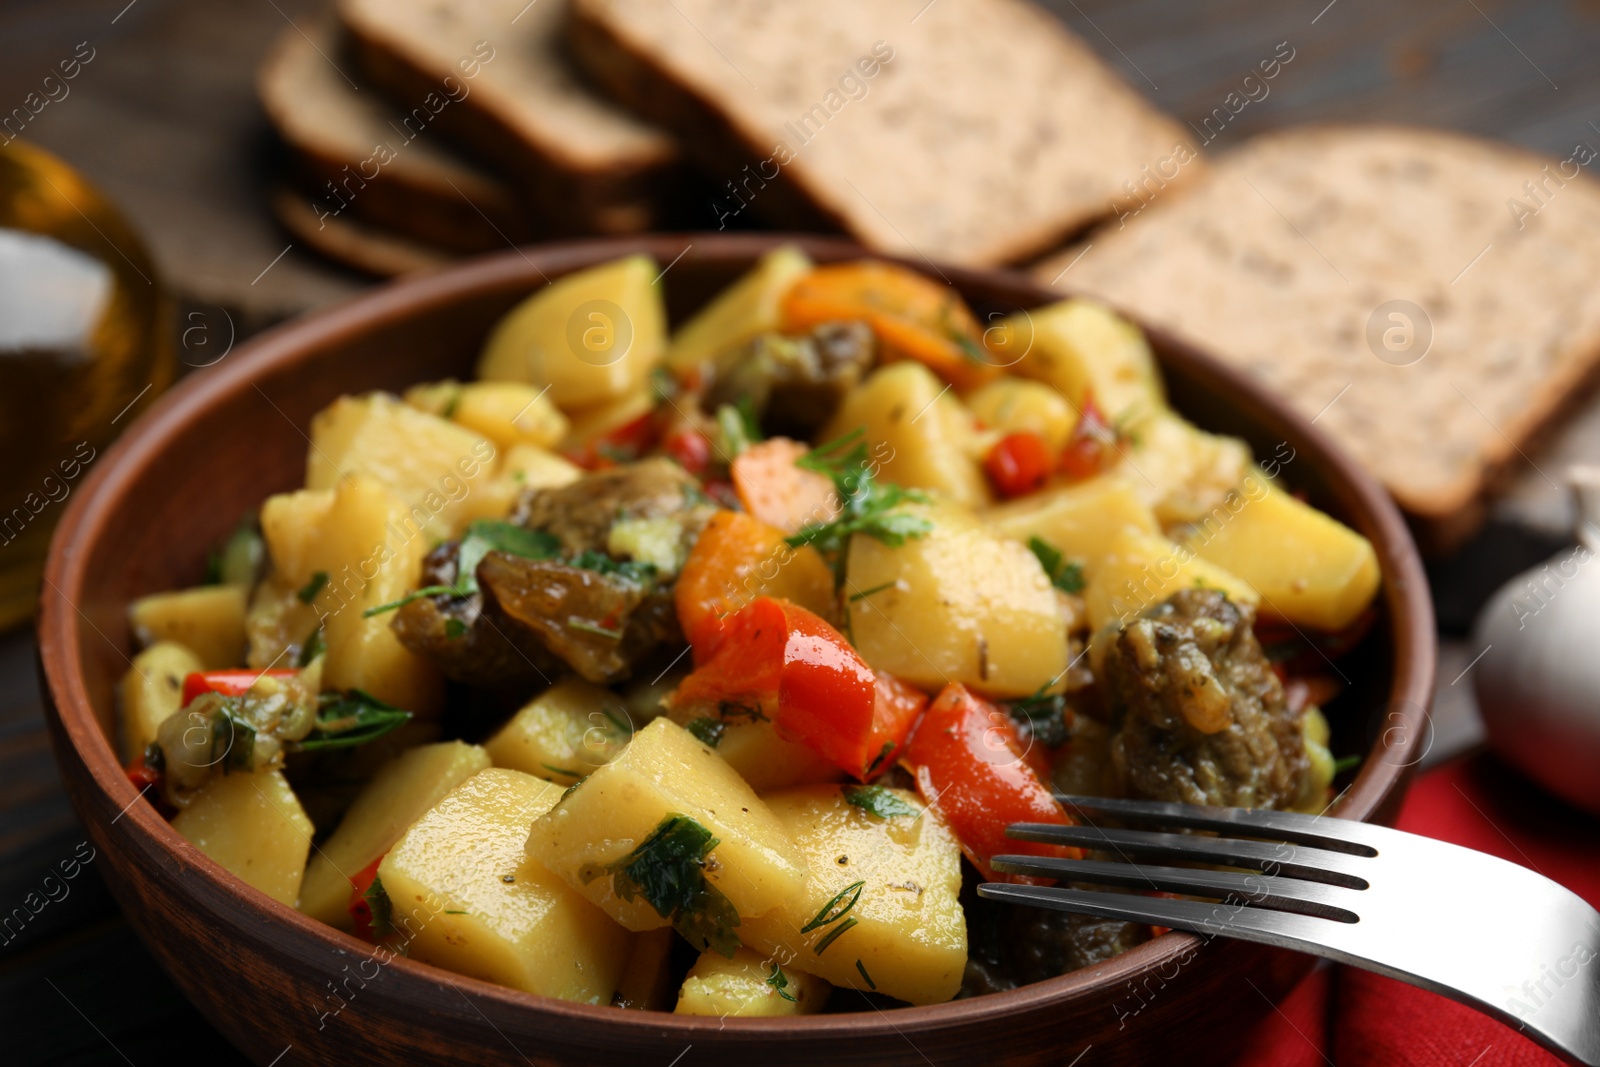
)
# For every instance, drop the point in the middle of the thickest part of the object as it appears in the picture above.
(85, 344)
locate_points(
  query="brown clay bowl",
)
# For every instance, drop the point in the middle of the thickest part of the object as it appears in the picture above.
(280, 985)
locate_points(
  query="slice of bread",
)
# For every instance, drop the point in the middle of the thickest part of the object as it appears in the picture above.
(355, 156)
(976, 132)
(351, 241)
(1284, 261)
(490, 73)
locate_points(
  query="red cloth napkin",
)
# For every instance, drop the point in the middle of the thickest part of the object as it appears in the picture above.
(1340, 1015)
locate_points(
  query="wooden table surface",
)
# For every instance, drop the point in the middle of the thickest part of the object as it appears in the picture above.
(164, 119)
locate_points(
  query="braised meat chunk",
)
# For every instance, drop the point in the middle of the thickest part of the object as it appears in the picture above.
(653, 499)
(1197, 713)
(795, 383)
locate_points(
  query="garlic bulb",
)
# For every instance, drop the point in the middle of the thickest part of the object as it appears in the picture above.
(1538, 683)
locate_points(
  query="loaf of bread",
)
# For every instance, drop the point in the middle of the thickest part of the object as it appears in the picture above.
(356, 158)
(492, 75)
(975, 132)
(1428, 299)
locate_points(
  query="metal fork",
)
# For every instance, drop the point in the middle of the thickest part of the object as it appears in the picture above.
(1491, 934)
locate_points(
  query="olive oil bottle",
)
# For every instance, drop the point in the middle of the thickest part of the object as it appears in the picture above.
(85, 345)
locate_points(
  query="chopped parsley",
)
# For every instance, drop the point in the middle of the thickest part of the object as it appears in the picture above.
(482, 537)
(351, 718)
(878, 800)
(738, 427)
(1066, 575)
(315, 645)
(780, 982)
(454, 629)
(667, 871)
(233, 733)
(1045, 714)
(866, 506)
(636, 571)
(1346, 763)
(309, 591)
(863, 969)
(382, 909)
(708, 730)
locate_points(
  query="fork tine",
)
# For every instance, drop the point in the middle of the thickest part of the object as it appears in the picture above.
(1251, 924)
(1338, 835)
(1288, 894)
(1272, 857)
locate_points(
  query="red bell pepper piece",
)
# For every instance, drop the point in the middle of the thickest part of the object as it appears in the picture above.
(785, 662)
(1092, 445)
(627, 442)
(232, 683)
(360, 907)
(970, 765)
(691, 448)
(1018, 464)
(895, 711)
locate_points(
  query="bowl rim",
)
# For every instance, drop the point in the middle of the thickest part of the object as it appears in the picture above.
(1379, 782)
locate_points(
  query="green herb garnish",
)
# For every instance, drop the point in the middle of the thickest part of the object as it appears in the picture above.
(780, 982)
(454, 629)
(866, 506)
(877, 761)
(1065, 575)
(482, 537)
(667, 871)
(1045, 714)
(417, 594)
(315, 645)
(350, 718)
(868, 592)
(1346, 763)
(835, 909)
(878, 800)
(738, 427)
(588, 626)
(708, 730)
(456, 911)
(239, 745)
(833, 935)
(382, 909)
(636, 571)
(563, 771)
(309, 591)
(863, 969)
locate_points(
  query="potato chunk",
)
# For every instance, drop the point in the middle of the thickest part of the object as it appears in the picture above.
(253, 826)
(471, 901)
(918, 432)
(208, 620)
(1078, 520)
(1181, 471)
(151, 691)
(398, 795)
(754, 749)
(1308, 567)
(1017, 405)
(750, 306)
(510, 413)
(749, 986)
(592, 336)
(909, 940)
(956, 605)
(432, 466)
(361, 538)
(664, 771)
(1084, 349)
(564, 733)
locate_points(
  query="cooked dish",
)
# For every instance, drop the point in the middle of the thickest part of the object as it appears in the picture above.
(703, 672)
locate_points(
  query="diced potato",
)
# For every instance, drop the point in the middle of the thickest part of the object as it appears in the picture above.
(1138, 572)
(588, 424)
(909, 937)
(1181, 471)
(276, 620)
(646, 982)
(956, 605)
(917, 431)
(1083, 348)
(749, 307)
(436, 398)
(592, 336)
(472, 902)
(564, 733)
(398, 795)
(536, 468)
(510, 413)
(749, 986)
(1308, 567)
(762, 758)
(207, 620)
(371, 552)
(1017, 405)
(1313, 798)
(1077, 520)
(665, 771)
(431, 465)
(151, 691)
(253, 826)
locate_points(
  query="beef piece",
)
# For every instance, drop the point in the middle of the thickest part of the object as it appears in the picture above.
(1042, 943)
(795, 383)
(1197, 713)
(582, 514)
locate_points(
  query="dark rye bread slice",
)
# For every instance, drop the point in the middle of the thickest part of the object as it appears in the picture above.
(585, 165)
(1283, 261)
(352, 241)
(976, 132)
(356, 157)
